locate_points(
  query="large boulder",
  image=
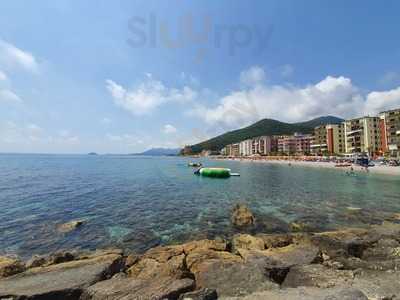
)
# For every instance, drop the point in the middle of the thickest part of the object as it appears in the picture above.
(133, 289)
(10, 266)
(234, 279)
(242, 216)
(318, 276)
(61, 281)
(275, 240)
(216, 245)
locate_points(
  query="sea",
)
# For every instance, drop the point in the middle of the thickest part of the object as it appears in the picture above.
(135, 203)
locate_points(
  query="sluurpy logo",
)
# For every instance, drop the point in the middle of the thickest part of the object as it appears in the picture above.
(197, 33)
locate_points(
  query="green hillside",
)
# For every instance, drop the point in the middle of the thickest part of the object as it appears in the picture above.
(267, 127)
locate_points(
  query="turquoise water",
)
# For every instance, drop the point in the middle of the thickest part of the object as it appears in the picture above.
(140, 202)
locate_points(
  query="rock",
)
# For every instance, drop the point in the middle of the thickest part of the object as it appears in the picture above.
(10, 266)
(275, 240)
(36, 261)
(234, 279)
(148, 268)
(70, 226)
(248, 242)
(317, 276)
(160, 261)
(216, 245)
(131, 259)
(291, 255)
(306, 293)
(242, 216)
(378, 284)
(197, 261)
(61, 281)
(134, 289)
(203, 294)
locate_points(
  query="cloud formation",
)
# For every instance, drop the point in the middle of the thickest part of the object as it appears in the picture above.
(148, 95)
(9, 96)
(12, 57)
(253, 76)
(331, 96)
(169, 129)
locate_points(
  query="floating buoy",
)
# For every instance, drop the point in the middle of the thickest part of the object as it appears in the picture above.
(216, 172)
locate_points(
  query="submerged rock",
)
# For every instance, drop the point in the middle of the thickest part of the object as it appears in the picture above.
(276, 240)
(10, 266)
(134, 289)
(248, 242)
(70, 226)
(242, 216)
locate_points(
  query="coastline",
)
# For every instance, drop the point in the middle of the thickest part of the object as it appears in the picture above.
(352, 263)
(383, 170)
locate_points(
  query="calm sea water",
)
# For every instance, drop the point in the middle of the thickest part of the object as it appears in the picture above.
(140, 202)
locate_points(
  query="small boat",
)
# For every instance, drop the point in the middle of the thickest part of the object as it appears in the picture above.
(215, 172)
(195, 165)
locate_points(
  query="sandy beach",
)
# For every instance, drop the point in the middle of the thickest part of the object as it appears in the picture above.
(377, 169)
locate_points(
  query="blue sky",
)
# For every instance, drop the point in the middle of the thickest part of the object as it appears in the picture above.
(123, 76)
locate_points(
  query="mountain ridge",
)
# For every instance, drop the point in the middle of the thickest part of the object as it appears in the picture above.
(263, 127)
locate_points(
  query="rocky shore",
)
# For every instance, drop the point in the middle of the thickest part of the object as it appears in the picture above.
(347, 264)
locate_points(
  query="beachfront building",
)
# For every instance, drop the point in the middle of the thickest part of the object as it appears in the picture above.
(362, 136)
(246, 147)
(328, 140)
(390, 132)
(297, 144)
(265, 145)
(232, 150)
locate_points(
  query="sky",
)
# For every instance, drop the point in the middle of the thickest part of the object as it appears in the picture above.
(124, 76)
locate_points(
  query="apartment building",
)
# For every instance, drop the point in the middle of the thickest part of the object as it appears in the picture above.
(390, 132)
(246, 147)
(362, 135)
(328, 139)
(295, 144)
(232, 150)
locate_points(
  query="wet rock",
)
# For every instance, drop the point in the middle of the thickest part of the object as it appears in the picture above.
(60, 281)
(318, 276)
(203, 294)
(133, 289)
(234, 279)
(248, 242)
(10, 266)
(36, 261)
(275, 240)
(70, 226)
(242, 216)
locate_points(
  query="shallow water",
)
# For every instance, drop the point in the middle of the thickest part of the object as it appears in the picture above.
(140, 202)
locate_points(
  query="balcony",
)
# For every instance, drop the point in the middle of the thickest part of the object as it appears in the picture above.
(354, 132)
(398, 132)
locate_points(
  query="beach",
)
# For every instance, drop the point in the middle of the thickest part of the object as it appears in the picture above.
(377, 169)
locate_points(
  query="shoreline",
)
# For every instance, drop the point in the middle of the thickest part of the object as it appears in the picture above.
(362, 261)
(383, 170)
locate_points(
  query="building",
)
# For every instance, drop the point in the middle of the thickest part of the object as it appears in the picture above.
(297, 144)
(328, 140)
(362, 135)
(246, 147)
(390, 132)
(232, 150)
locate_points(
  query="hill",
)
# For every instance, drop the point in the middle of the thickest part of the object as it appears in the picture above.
(264, 127)
(160, 152)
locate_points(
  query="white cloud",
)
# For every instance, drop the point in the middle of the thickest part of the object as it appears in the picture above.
(13, 57)
(9, 96)
(253, 76)
(380, 101)
(287, 71)
(331, 96)
(169, 129)
(148, 95)
(3, 76)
